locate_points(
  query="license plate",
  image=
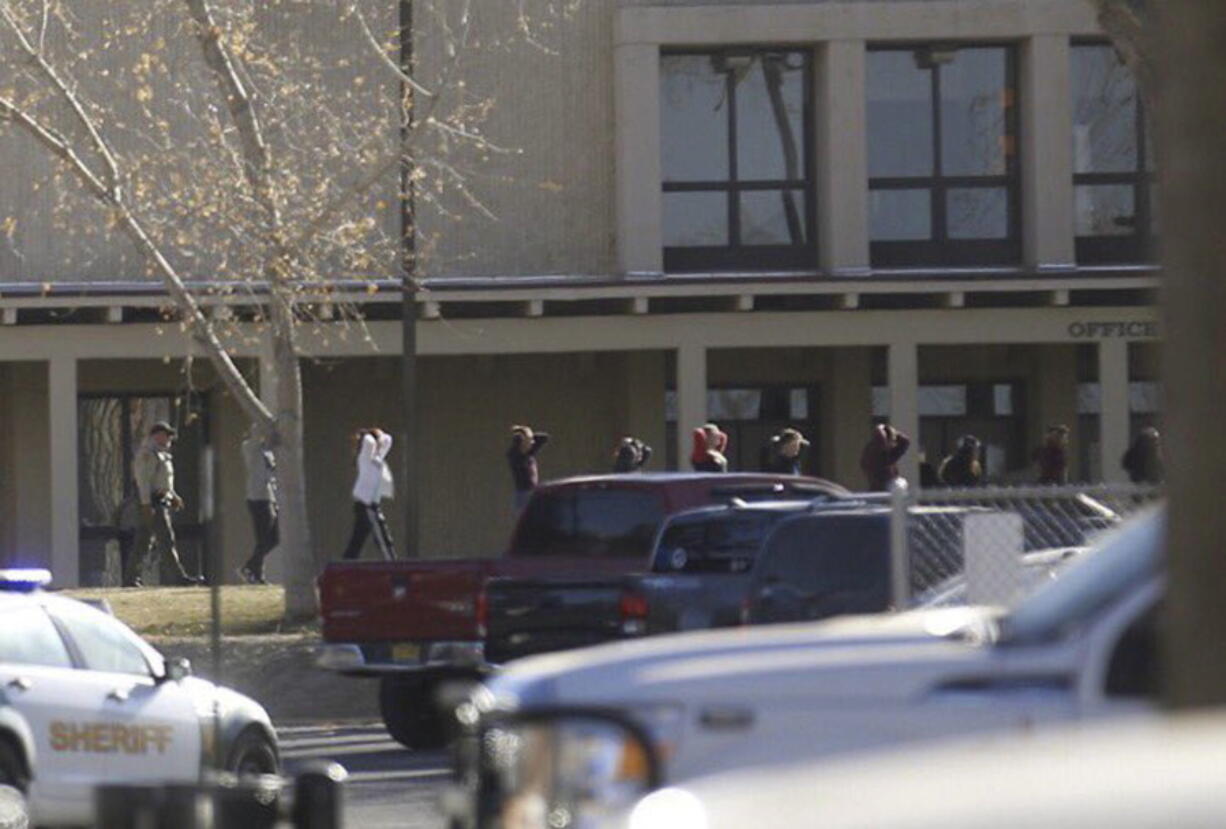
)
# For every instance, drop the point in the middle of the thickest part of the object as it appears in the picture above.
(406, 653)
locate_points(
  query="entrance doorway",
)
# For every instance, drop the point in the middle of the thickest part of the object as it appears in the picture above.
(111, 429)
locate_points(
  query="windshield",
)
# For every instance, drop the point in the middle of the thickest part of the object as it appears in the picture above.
(1125, 559)
(590, 522)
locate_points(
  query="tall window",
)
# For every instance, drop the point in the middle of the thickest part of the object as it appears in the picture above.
(942, 155)
(1112, 170)
(735, 144)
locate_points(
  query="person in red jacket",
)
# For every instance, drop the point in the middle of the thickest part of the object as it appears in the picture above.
(879, 460)
(709, 446)
(1052, 456)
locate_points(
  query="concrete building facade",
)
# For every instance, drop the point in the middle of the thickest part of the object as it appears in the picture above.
(819, 214)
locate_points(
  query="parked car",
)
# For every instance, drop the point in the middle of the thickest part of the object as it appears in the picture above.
(100, 705)
(1144, 771)
(743, 563)
(419, 624)
(1081, 647)
(17, 754)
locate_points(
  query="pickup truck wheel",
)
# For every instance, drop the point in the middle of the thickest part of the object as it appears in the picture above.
(409, 712)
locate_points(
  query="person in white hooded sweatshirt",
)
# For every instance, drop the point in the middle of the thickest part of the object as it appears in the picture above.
(374, 483)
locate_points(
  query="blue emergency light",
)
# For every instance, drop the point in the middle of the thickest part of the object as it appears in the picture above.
(24, 580)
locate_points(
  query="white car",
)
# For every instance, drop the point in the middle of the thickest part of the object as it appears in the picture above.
(1081, 647)
(100, 705)
(1148, 771)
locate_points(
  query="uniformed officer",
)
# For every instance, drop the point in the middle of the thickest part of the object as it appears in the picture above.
(154, 471)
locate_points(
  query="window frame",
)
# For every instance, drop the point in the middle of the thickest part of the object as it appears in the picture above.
(939, 249)
(1139, 245)
(734, 255)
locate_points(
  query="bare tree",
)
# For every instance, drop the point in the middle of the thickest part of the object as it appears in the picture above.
(1130, 25)
(253, 152)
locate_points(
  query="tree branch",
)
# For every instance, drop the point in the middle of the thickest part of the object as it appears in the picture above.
(124, 218)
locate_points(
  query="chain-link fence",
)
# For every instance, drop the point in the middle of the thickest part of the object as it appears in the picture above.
(994, 545)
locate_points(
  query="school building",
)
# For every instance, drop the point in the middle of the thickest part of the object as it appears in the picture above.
(818, 214)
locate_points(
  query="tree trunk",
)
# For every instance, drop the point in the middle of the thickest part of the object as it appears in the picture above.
(1192, 113)
(295, 541)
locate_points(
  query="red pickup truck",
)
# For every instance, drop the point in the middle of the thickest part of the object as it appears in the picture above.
(418, 623)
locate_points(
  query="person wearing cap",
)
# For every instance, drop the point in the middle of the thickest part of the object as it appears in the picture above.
(1052, 456)
(154, 471)
(783, 452)
(521, 458)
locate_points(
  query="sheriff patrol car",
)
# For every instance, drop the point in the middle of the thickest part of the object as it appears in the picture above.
(95, 703)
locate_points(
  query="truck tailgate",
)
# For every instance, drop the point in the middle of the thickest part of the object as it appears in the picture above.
(397, 601)
(538, 615)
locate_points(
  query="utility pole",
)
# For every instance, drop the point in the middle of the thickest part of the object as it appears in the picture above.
(408, 268)
(1192, 111)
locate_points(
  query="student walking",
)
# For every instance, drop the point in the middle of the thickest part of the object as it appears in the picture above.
(783, 453)
(879, 459)
(521, 458)
(1052, 456)
(710, 445)
(962, 468)
(631, 455)
(261, 467)
(373, 485)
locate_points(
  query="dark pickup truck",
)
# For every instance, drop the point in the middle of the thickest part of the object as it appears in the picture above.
(418, 623)
(746, 563)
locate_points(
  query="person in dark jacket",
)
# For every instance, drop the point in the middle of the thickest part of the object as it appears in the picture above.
(1052, 456)
(1143, 460)
(879, 460)
(784, 451)
(521, 458)
(631, 455)
(710, 443)
(962, 468)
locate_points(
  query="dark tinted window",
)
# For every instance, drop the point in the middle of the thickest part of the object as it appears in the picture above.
(830, 554)
(27, 637)
(1133, 669)
(590, 522)
(726, 543)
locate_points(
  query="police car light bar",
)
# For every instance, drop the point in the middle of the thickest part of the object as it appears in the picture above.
(24, 579)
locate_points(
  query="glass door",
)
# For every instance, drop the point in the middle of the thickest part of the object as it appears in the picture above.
(111, 430)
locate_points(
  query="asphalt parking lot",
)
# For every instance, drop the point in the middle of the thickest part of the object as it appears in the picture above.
(389, 786)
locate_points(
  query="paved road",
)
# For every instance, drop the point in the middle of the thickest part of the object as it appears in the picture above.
(389, 786)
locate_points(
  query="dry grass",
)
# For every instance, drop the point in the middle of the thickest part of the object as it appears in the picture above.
(185, 611)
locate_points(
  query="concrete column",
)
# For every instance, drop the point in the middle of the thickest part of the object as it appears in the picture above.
(847, 410)
(1113, 421)
(842, 160)
(644, 396)
(65, 524)
(691, 397)
(903, 379)
(1047, 153)
(636, 101)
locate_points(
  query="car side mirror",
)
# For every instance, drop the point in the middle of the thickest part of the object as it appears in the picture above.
(177, 669)
(584, 763)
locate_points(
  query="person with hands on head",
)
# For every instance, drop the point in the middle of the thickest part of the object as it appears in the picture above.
(521, 458)
(631, 455)
(784, 451)
(373, 485)
(153, 469)
(710, 445)
(879, 459)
